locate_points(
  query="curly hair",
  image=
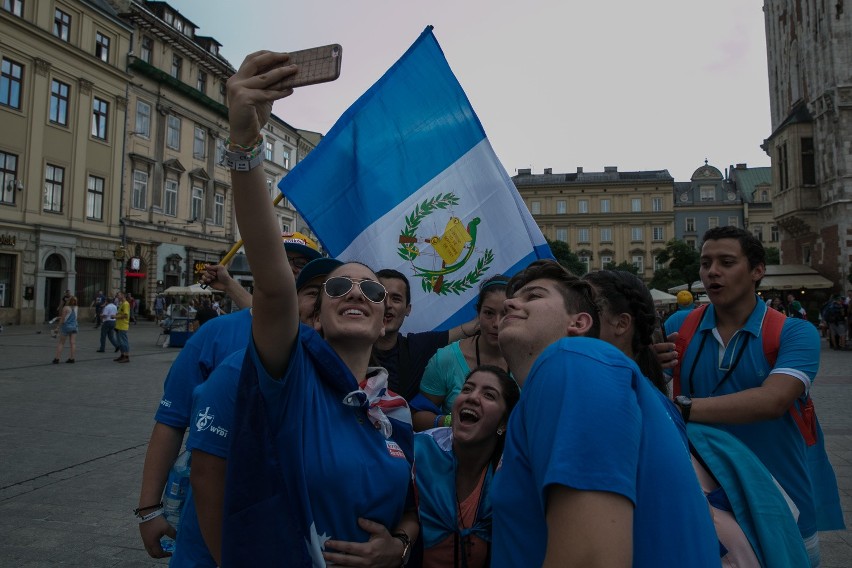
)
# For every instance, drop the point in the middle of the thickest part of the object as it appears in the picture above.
(576, 293)
(621, 292)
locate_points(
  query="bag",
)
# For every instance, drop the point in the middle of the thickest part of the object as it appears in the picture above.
(834, 314)
(773, 323)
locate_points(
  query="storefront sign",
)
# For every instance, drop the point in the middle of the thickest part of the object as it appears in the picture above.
(8, 240)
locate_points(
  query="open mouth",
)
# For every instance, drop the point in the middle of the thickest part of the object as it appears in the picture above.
(714, 287)
(468, 416)
(353, 312)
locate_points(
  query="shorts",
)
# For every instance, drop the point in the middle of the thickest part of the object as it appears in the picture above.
(838, 328)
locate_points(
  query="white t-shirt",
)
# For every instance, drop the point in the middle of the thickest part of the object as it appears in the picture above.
(109, 311)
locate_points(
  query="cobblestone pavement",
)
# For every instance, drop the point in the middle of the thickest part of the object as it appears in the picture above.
(73, 440)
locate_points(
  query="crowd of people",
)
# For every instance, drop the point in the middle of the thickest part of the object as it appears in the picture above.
(552, 429)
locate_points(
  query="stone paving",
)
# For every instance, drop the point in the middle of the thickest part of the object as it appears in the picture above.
(73, 440)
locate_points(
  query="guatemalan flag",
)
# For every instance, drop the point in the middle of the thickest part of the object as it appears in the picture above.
(406, 179)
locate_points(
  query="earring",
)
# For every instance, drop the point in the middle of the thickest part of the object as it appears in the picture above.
(499, 431)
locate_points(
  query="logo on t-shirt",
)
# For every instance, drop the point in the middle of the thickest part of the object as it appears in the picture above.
(394, 449)
(204, 419)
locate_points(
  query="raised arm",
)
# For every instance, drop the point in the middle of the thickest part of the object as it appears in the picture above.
(217, 277)
(251, 92)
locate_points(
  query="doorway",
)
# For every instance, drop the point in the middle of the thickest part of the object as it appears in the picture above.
(53, 290)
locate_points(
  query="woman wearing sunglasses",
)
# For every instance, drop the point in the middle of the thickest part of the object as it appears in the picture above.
(319, 469)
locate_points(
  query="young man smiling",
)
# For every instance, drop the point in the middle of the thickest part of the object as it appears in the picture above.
(726, 380)
(596, 460)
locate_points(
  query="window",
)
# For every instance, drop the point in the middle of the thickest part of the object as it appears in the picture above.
(139, 198)
(201, 82)
(606, 234)
(712, 222)
(270, 187)
(734, 221)
(8, 177)
(636, 205)
(173, 132)
(586, 262)
(59, 102)
(808, 163)
(562, 235)
(708, 193)
(583, 235)
(16, 7)
(690, 242)
(54, 178)
(199, 143)
(637, 234)
(11, 78)
(690, 225)
(285, 157)
(170, 198)
(757, 231)
(658, 233)
(605, 206)
(268, 151)
(196, 205)
(656, 204)
(764, 195)
(95, 198)
(220, 150)
(61, 25)
(219, 209)
(783, 176)
(535, 207)
(145, 49)
(583, 206)
(639, 263)
(143, 119)
(177, 64)
(102, 47)
(285, 228)
(773, 233)
(100, 114)
(561, 207)
(606, 260)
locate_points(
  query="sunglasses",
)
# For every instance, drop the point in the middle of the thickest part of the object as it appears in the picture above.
(338, 286)
(298, 261)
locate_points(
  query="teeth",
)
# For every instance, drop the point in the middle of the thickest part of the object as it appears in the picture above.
(467, 413)
(353, 312)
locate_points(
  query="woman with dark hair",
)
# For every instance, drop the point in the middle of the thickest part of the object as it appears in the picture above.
(446, 371)
(454, 470)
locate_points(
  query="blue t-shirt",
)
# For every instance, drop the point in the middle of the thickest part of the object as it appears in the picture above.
(303, 466)
(588, 419)
(674, 321)
(444, 375)
(777, 443)
(212, 421)
(202, 353)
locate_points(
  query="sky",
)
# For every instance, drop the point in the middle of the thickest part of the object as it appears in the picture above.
(557, 84)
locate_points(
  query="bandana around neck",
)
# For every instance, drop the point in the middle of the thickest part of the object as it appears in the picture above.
(380, 403)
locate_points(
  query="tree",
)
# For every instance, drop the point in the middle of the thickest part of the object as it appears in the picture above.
(665, 278)
(623, 265)
(773, 255)
(562, 252)
(683, 261)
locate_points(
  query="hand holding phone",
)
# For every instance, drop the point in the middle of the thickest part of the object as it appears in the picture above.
(316, 65)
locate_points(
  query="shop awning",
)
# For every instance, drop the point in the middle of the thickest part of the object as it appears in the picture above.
(794, 282)
(134, 274)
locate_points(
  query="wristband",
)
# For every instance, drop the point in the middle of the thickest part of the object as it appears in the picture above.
(437, 422)
(448, 420)
(140, 509)
(149, 516)
(244, 158)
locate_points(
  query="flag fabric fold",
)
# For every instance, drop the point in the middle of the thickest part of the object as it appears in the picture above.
(406, 179)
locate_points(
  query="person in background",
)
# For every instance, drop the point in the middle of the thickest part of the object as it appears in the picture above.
(596, 459)
(685, 304)
(446, 371)
(159, 307)
(108, 327)
(455, 467)
(795, 308)
(122, 326)
(205, 312)
(836, 315)
(67, 330)
(134, 307)
(99, 303)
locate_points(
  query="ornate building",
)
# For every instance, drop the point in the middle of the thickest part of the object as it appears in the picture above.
(606, 217)
(708, 200)
(63, 99)
(809, 51)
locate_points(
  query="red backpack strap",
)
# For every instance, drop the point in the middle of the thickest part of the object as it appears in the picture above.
(805, 419)
(684, 336)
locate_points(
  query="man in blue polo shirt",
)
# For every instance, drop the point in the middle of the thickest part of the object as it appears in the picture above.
(727, 381)
(596, 469)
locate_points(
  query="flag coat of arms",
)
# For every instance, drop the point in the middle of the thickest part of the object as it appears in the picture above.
(406, 179)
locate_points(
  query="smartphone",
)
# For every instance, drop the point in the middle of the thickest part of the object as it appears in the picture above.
(316, 65)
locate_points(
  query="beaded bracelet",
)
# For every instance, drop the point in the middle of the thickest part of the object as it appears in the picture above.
(256, 145)
(448, 420)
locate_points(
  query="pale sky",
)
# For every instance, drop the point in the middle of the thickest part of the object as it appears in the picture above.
(557, 84)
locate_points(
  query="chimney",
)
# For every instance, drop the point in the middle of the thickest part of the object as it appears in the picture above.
(610, 169)
(741, 166)
(524, 171)
(548, 171)
(579, 169)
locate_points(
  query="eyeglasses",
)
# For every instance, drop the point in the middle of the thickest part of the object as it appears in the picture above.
(298, 262)
(338, 286)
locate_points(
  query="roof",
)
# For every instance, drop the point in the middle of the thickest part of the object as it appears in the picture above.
(748, 179)
(593, 177)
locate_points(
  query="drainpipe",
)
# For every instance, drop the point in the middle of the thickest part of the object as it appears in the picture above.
(121, 221)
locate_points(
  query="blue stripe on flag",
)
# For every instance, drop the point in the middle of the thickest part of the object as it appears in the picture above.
(408, 127)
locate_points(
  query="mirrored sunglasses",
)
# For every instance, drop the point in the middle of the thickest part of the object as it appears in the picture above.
(338, 286)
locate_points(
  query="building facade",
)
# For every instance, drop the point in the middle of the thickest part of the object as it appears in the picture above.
(708, 200)
(809, 54)
(606, 217)
(63, 100)
(754, 186)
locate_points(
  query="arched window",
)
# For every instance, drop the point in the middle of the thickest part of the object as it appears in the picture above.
(53, 263)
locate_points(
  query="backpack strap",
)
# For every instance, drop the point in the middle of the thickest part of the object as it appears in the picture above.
(685, 333)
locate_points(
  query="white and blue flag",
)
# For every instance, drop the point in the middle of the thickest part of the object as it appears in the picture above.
(406, 179)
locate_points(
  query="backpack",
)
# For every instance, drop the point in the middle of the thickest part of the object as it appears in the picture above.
(834, 314)
(773, 323)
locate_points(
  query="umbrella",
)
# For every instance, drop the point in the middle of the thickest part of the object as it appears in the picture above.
(697, 286)
(194, 290)
(661, 297)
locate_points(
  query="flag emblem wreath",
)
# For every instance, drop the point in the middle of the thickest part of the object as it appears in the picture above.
(455, 247)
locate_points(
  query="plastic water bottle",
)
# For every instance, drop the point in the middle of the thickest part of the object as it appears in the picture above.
(175, 496)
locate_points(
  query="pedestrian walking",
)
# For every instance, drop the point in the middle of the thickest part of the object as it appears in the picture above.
(108, 326)
(159, 307)
(98, 304)
(122, 325)
(67, 330)
(134, 307)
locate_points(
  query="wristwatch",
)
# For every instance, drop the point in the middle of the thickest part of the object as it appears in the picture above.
(406, 547)
(685, 404)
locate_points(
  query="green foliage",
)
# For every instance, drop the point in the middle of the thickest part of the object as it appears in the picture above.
(666, 278)
(566, 258)
(623, 266)
(683, 261)
(773, 255)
